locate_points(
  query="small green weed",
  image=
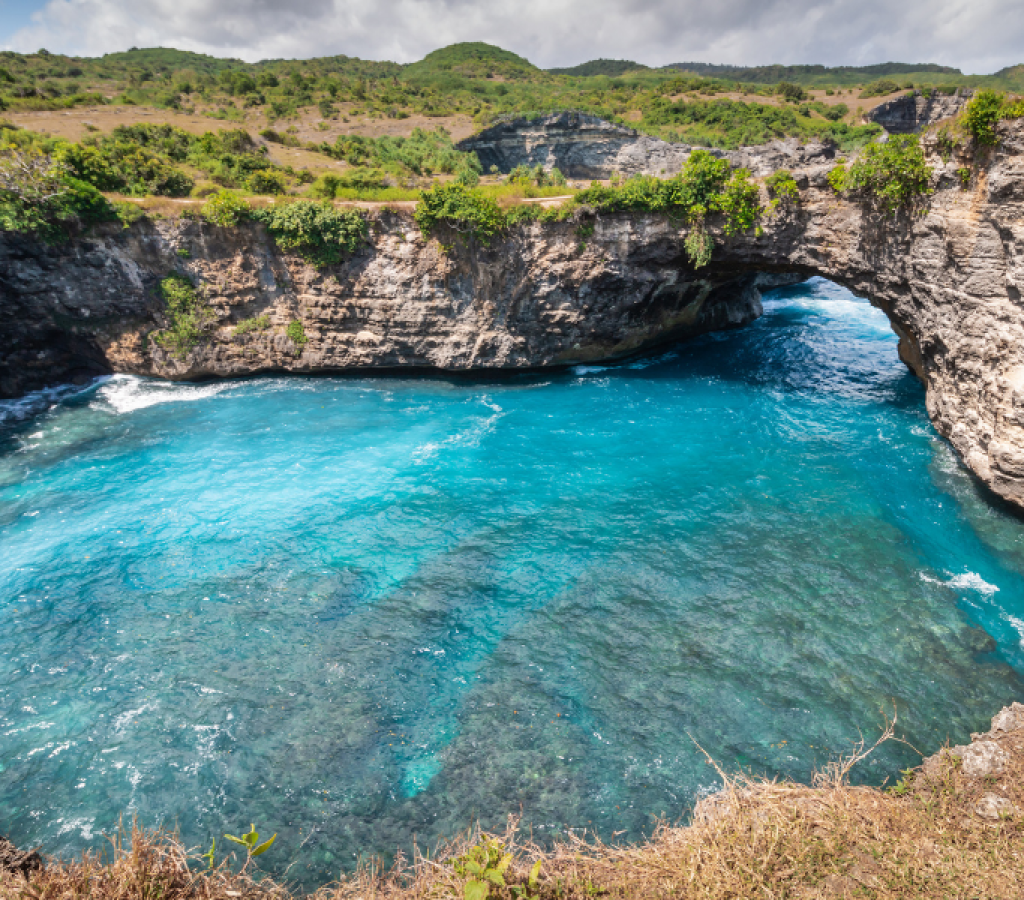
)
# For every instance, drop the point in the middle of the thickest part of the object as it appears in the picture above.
(482, 866)
(248, 326)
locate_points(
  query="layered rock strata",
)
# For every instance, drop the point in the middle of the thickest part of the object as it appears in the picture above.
(917, 109)
(948, 275)
(587, 147)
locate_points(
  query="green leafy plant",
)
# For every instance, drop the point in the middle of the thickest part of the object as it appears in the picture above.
(964, 174)
(893, 174)
(38, 195)
(837, 178)
(296, 333)
(904, 785)
(267, 181)
(698, 244)
(187, 313)
(225, 208)
(782, 188)
(250, 841)
(483, 866)
(981, 115)
(463, 209)
(529, 891)
(318, 232)
(740, 202)
(209, 854)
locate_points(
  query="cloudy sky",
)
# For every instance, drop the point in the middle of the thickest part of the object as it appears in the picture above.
(978, 36)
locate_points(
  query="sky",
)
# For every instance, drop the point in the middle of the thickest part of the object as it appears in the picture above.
(977, 36)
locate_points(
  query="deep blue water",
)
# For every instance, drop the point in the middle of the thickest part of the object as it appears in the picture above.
(355, 610)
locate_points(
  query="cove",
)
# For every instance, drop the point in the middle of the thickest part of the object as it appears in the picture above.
(359, 610)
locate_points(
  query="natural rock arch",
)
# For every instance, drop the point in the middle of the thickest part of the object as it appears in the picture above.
(949, 278)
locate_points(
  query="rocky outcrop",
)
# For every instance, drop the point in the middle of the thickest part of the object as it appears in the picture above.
(587, 147)
(578, 145)
(949, 276)
(913, 111)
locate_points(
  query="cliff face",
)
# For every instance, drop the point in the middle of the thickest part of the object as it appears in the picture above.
(950, 280)
(912, 112)
(582, 146)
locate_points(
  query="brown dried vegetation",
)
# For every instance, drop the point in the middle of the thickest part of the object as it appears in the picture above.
(949, 831)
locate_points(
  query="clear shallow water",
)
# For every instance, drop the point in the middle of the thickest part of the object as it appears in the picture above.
(357, 610)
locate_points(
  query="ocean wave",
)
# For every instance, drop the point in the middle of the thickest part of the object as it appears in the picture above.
(969, 581)
(128, 393)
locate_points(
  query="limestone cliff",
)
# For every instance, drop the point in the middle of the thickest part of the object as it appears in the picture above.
(949, 278)
(917, 109)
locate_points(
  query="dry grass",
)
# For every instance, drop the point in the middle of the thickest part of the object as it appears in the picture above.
(754, 839)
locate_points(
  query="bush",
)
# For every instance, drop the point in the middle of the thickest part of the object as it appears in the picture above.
(893, 174)
(267, 181)
(782, 188)
(981, 115)
(318, 232)
(39, 196)
(296, 333)
(790, 91)
(188, 316)
(463, 209)
(225, 208)
(879, 89)
(121, 165)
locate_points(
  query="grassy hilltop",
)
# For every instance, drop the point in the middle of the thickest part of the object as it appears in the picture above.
(698, 103)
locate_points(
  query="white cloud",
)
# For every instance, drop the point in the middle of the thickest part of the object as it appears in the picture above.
(975, 35)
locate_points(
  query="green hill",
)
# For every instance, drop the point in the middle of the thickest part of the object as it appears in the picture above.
(167, 59)
(830, 76)
(610, 67)
(473, 60)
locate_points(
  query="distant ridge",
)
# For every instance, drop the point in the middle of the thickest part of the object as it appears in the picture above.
(609, 67)
(811, 74)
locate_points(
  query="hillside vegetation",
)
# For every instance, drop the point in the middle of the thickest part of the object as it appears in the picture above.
(702, 104)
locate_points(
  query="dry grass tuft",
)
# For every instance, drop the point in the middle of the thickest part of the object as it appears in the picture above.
(943, 832)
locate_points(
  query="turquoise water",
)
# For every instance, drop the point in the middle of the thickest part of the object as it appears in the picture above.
(359, 610)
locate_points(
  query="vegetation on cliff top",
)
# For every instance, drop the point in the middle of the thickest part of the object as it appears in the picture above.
(893, 174)
(706, 186)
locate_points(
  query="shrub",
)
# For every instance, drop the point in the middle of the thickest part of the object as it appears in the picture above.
(740, 202)
(267, 181)
(225, 208)
(782, 188)
(461, 208)
(981, 115)
(837, 178)
(879, 89)
(893, 174)
(790, 91)
(188, 316)
(296, 333)
(39, 196)
(318, 232)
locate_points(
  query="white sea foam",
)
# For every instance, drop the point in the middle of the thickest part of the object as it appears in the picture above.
(965, 581)
(127, 393)
(1018, 626)
(471, 437)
